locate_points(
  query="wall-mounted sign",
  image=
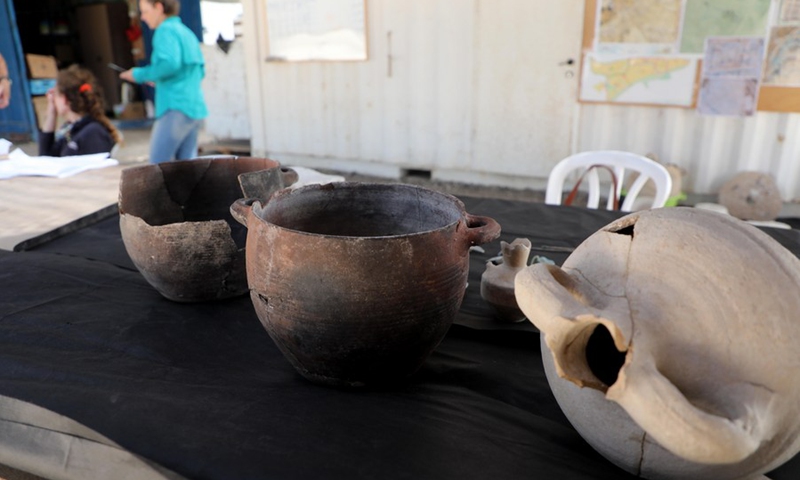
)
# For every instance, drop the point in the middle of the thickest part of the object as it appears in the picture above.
(308, 30)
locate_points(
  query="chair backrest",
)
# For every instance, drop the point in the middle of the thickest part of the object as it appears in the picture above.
(621, 163)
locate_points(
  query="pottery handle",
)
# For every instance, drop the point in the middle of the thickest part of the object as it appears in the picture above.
(288, 176)
(557, 304)
(662, 410)
(241, 208)
(481, 229)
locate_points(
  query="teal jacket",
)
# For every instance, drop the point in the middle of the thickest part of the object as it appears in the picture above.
(177, 68)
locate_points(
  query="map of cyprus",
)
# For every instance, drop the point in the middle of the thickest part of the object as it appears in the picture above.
(649, 80)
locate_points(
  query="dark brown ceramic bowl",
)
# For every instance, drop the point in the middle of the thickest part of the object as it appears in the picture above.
(358, 283)
(177, 228)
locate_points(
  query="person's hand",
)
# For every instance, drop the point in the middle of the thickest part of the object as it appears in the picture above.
(127, 75)
(5, 92)
(49, 124)
(51, 101)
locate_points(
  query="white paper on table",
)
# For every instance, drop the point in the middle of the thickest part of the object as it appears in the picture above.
(309, 176)
(20, 164)
(5, 146)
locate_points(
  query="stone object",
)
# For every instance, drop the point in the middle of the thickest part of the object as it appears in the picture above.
(497, 281)
(357, 283)
(751, 196)
(177, 228)
(670, 341)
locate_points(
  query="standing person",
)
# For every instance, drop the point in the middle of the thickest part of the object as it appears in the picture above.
(177, 68)
(5, 83)
(76, 98)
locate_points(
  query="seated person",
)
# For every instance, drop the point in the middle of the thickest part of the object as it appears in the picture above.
(78, 100)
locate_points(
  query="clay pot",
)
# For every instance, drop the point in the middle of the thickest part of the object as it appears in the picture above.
(177, 228)
(358, 283)
(670, 339)
(497, 281)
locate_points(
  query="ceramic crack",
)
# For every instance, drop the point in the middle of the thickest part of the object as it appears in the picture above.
(641, 454)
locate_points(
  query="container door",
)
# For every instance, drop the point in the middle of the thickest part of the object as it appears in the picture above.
(526, 83)
(466, 89)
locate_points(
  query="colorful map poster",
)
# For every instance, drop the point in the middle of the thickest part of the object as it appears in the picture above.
(782, 67)
(633, 26)
(300, 30)
(656, 80)
(705, 18)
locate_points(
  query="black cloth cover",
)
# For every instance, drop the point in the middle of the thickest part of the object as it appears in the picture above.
(201, 390)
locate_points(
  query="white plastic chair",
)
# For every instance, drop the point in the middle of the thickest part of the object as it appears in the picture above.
(619, 162)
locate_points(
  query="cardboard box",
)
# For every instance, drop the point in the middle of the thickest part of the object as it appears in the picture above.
(40, 107)
(41, 66)
(132, 111)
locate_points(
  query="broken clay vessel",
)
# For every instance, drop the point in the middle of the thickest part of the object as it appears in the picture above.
(177, 228)
(497, 281)
(670, 340)
(357, 283)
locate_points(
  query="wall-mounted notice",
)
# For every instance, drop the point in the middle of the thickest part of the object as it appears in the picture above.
(782, 67)
(733, 57)
(790, 11)
(731, 73)
(636, 27)
(705, 18)
(307, 30)
(655, 80)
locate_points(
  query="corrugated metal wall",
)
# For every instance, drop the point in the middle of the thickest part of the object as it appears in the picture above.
(445, 89)
(710, 149)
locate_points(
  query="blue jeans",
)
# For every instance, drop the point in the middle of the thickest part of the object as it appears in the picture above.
(174, 137)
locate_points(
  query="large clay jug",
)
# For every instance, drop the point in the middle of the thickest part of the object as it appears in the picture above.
(670, 340)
